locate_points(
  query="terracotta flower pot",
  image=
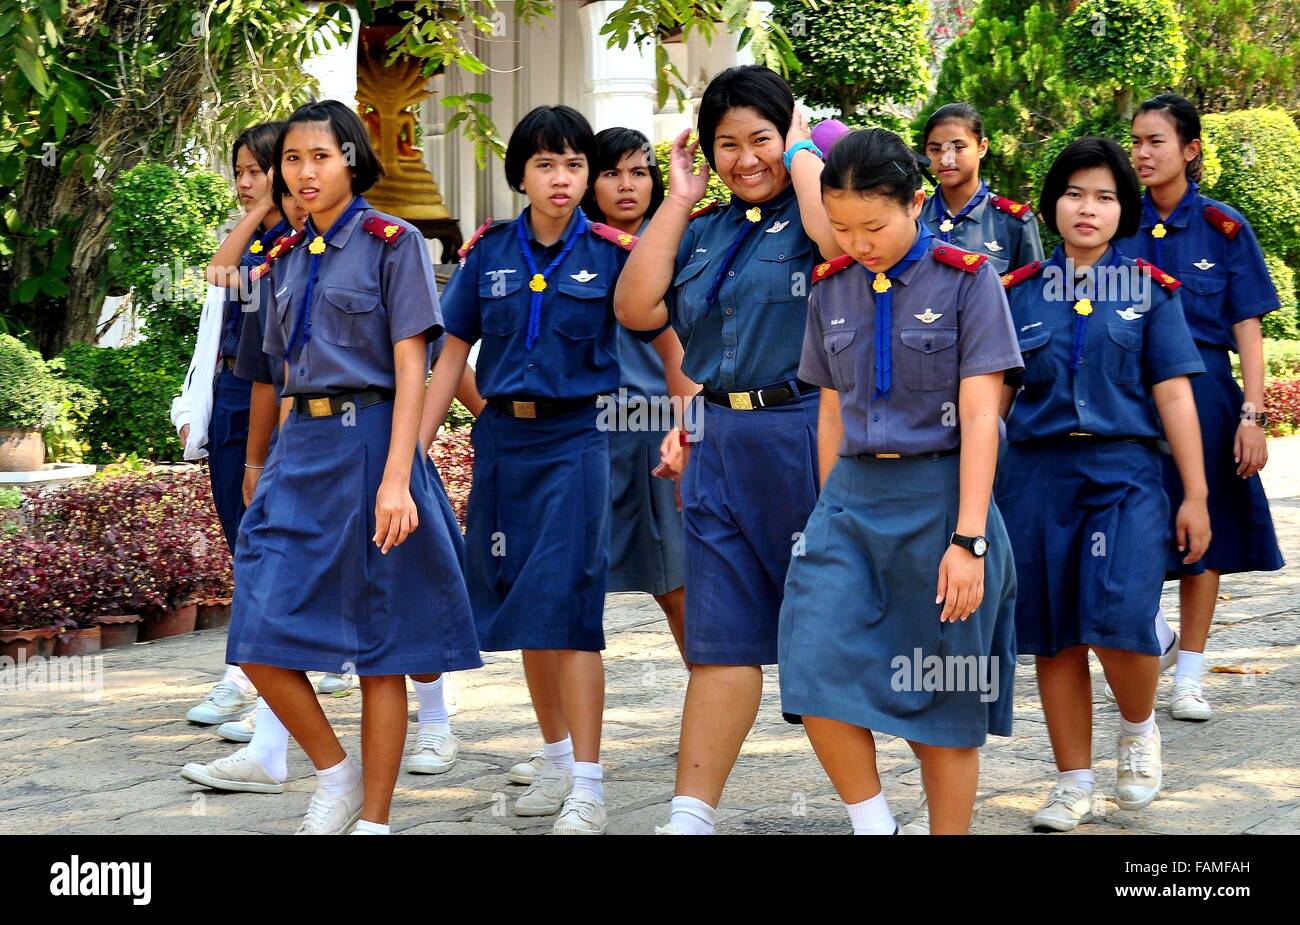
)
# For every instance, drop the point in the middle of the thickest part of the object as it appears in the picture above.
(22, 449)
(38, 641)
(212, 614)
(176, 622)
(83, 641)
(118, 629)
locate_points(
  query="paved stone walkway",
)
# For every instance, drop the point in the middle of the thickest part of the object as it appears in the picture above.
(70, 763)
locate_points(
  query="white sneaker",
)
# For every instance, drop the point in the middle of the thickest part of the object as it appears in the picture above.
(241, 730)
(669, 829)
(582, 814)
(1188, 702)
(326, 816)
(526, 770)
(1069, 805)
(239, 772)
(332, 683)
(435, 751)
(1139, 770)
(546, 794)
(1168, 659)
(224, 702)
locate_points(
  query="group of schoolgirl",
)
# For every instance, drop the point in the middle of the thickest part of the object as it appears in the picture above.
(859, 352)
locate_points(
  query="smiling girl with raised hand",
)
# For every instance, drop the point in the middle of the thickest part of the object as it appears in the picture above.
(1107, 358)
(348, 557)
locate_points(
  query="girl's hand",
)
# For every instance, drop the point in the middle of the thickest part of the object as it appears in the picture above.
(673, 457)
(799, 130)
(1193, 525)
(251, 478)
(961, 584)
(683, 182)
(185, 434)
(395, 515)
(1250, 449)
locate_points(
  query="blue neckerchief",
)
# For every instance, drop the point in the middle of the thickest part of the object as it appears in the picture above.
(946, 236)
(885, 311)
(302, 328)
(535, 305)
(1151, 218)
(1081, 321)
(742, 235)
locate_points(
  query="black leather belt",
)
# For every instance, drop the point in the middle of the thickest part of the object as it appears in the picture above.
(531, 408)
(767, 397)
(324, 406)
(1079, 437)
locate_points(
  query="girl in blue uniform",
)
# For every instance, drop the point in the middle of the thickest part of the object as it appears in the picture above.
(734, 284)
(963, 210)
(348, 558)
(1212, 250)
(1107, 357)
(906, 571)
(536, 292)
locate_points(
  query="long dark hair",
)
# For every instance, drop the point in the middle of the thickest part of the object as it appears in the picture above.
(612, 145)
(873, 162)
(747, 85)
(1186, 120)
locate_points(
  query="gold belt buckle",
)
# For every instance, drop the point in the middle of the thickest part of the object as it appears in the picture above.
(1079, 433)
(740, 401)
(319, 407)
(889, 456)
(524, 409)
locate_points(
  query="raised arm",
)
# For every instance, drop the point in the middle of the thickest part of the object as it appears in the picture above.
(223, 270)
(805, 174)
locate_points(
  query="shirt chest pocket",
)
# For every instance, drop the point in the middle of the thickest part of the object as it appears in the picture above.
(1204, 292)
(348, 316)
(580, 310)
(927, 361)
(840, 358)
(691, 285)
(1124, 353)
(781, 269)
(1036, 354)
(502, 308)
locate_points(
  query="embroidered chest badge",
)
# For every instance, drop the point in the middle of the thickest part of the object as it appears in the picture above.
(994, 246)
(928, 316)
(1203, 264)
(1128, 314)
(583, 276)
(777, 226)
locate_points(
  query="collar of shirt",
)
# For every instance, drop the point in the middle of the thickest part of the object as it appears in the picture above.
(924, 239)
(532, 238)
(740, 206)
(340, 238)
(1177, 218)
(976, 212)
(1111, 258)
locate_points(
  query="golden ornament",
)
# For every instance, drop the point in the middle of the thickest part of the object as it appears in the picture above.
(317, 246)
(881, 283)
(537, 283)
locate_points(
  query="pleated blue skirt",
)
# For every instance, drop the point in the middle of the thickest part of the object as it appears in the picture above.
(1089, 526)
(312, 592)
(1241, 527)
(645, 537)
(537, 531)
(861, 640)
(746, 496)
(227, 440)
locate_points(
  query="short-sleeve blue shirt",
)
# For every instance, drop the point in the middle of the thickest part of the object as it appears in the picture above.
(1225, 280)
(947, 324)
(749, 337)
(1007, 240)
(1135, 337)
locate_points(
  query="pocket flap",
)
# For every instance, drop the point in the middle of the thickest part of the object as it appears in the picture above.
(352, 301)
(929, 341)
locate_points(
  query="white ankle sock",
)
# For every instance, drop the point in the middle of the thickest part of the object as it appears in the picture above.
(270, 744)
(433, 709)
(559, 753)
(341, 778)
(692, 816)
(370, 828)
(1083, 778)
(1165, 634)
(1190, 666)
(1142, 729)
(589, 776)
(872, 817)
(235, 675)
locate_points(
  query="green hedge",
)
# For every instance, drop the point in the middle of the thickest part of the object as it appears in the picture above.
(1259, 150)
(1285, 322)
(138, 383)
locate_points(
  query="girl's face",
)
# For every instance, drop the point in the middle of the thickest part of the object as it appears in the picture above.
(294, 212)
(314, 168)
(252, 183)
(554, 182)
(1159, 156)
(623, 191)
(1088, 213)
(876, 230)
(748, 150)
(955, 153)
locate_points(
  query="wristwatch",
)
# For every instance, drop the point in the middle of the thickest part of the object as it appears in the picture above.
(1258, 418)
(977, 546)
(799, 145)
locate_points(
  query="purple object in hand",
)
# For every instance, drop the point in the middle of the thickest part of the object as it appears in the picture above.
(825, 134)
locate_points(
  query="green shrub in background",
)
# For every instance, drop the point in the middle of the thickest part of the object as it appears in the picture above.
(30, 396)
(66, 441)
(1128, 45)
(1259, 150)
(1283, 324)
(137, 383)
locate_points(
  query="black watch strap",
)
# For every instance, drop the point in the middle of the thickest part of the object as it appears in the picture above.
(977, 546)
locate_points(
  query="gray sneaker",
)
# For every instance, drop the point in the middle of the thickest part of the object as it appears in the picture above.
(546, 794)
(326, 816)
(1139, 770)
(1068, 806)
(583, 814)
(238, 772)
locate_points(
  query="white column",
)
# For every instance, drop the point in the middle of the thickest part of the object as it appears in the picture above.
(335, 68)
(621, 82)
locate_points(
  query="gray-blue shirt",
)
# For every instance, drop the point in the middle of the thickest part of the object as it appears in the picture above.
(1009, 241)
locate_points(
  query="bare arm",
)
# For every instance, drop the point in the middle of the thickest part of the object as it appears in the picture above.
(262, 414)
(1177, 410)
(805, 174)
(1008, 398)
(1250, 449)
(443, 383)
(830, 433)
(467, 392)
(223, 270)
(395, 512)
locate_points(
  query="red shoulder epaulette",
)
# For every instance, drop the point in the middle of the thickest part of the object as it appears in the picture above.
(1022, 274)
(473, 239)
(1018, 209)
(383, 229)
(614, 236)
(1159, 275)
(704, 210)
(281, 247)
(823, 270)
(956, 257)
(1221, 220)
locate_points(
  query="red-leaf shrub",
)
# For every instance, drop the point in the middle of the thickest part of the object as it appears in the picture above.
(42, 582)
(454, 457)
(1282, 402)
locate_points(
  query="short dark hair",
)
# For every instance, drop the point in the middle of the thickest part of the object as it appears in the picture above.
(745, 86)
(874, 162)
(1081, 155)
(548, 128)
(964, 113)
(612, 145)
(348, 129)
(1186, 120)
(260, 141)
